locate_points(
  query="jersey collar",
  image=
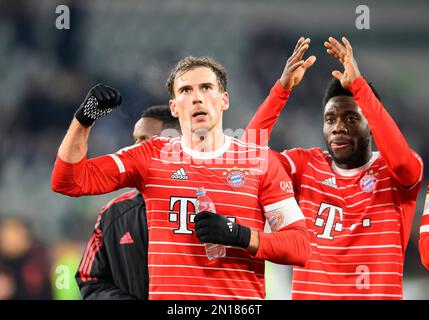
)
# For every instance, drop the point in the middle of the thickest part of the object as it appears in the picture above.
(206, 155)
(354, 171)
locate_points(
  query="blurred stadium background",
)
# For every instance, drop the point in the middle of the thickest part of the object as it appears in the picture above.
(131, 45)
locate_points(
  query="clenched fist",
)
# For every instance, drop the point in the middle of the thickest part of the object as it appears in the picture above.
(99, 101)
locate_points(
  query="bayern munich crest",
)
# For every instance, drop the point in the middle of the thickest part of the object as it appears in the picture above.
(275, 220)
(367, 183)
(236, 177)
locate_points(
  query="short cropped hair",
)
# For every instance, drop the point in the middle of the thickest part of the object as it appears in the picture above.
(335, 89)
(189, 63)
(162, 113)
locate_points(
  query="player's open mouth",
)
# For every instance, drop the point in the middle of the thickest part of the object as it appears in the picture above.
(199, 115)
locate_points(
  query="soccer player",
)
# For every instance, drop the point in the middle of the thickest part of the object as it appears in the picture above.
(358, 204)
(244, 188)
(424, 233)
(114, 264)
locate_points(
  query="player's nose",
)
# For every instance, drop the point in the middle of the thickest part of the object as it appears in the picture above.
(197, 97)
(339, 127)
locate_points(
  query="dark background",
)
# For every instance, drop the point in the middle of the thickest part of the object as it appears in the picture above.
(132, 45)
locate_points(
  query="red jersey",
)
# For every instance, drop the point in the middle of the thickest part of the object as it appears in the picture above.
(359, 219)
(360, 222)
(167, 173)
(424, 233)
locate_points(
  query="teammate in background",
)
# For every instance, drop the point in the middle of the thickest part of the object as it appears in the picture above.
(424, 233)
(358, 204)
(244, 188)
(114, 264)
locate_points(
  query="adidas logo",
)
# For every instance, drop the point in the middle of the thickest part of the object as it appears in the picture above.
(230, 224)
(330, 182)
(126, 239)
(179, 175)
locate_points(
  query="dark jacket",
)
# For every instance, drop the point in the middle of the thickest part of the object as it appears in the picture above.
(114, 264)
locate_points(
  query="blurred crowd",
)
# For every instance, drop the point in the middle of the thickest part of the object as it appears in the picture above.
(27, 266)
(131, 45)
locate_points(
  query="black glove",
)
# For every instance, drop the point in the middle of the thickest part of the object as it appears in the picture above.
(215, 228)
(99, 101)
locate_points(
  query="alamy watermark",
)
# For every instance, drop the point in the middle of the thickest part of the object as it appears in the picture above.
(62, 21)
(363, 19)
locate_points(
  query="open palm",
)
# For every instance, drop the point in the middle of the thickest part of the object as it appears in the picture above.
(296, 67)
(344, 53)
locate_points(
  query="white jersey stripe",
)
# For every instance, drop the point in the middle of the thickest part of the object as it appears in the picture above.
(359, 214)
(368, 233)
(212, 190)
(203, 255)
(424, 228)
(178, 243)
(205, 295)
(164, 228)
(216, 204)
(354, 263)
(118, 162)
(235, 206)
(206, 278)
(156, 199)
(343, 273)
(357, 203)
(312, 203)
(292, 164)
(321, 171)
(190, 212)
(338, 187)
(347, 284)
(359, 254)
(426, 207)
(384, 204)
(205, 167)
(193, 172)
(201, 181)
(198, 267)
(357, 247)
(321, 192)
(196, 286)
(248, 144)
(348, 294)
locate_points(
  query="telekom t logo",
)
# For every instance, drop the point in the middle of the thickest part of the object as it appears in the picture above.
(181, 215)
(329, 221)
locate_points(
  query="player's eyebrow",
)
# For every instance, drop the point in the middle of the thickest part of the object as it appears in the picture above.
(183, 88)
(207, 84)
(351, 112)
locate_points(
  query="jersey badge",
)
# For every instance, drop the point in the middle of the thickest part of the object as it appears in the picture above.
(368, 181)
(275, 220)
(236, 177)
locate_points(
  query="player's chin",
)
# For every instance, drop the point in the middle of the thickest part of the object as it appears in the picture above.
(201, 127)
(341, 156)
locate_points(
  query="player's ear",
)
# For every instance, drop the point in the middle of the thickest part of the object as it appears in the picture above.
(225, 101)
(173, 108)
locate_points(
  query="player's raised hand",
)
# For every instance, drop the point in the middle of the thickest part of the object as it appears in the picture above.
(296, 67)
(99, 101)
(344, 53)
